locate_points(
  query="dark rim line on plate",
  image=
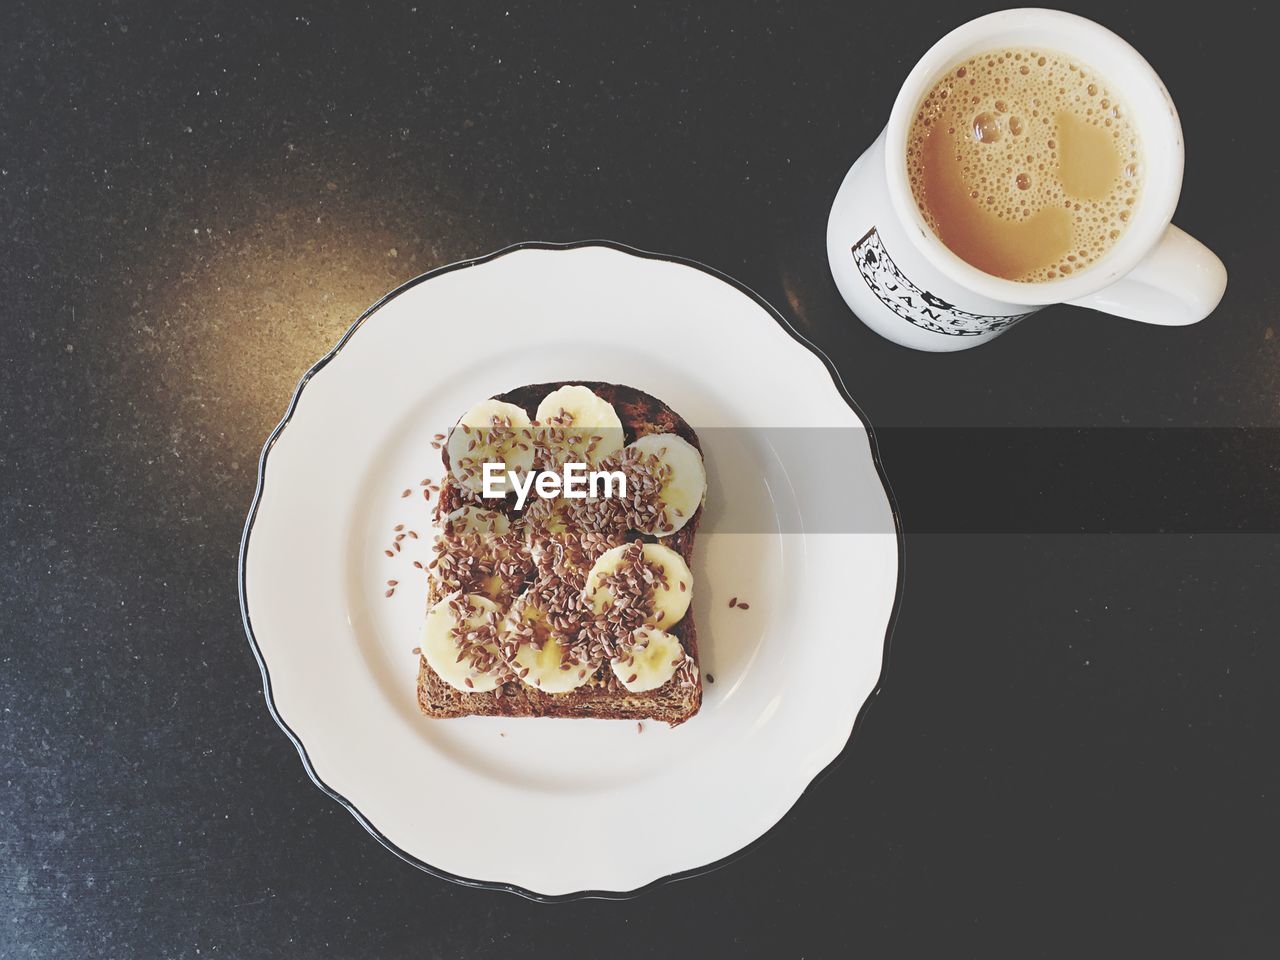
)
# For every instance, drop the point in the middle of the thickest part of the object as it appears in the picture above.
(257, 498)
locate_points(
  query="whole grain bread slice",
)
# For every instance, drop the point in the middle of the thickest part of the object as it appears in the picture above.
(601, 697)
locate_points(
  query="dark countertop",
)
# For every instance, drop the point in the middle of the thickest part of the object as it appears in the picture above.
(1075, 750)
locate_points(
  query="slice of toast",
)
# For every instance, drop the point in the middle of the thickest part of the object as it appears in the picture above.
(602, 697)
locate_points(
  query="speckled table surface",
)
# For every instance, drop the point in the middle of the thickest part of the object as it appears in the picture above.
(1074, 753)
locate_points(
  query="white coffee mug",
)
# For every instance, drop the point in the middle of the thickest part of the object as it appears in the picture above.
(906, 285)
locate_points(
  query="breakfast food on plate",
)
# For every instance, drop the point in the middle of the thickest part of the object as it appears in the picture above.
(563, 605)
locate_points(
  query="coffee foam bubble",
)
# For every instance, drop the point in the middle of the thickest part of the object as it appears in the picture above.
(1007, 116)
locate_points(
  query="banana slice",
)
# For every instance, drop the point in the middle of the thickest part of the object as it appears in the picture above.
(674, 482)
(577, 426)
(481, 668)
(548, 518)
(490, 432)
(550, 668)
(635, 575)
(476, 555)
(651, 661)
(473, 521)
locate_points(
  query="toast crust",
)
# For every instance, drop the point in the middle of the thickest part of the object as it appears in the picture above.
(602, 697)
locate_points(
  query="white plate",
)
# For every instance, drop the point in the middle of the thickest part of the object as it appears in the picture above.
(552, 808)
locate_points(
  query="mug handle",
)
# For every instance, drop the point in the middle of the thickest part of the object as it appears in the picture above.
(1179, 282)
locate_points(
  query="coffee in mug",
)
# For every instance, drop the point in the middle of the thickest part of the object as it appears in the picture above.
(1025, 163)
(1024, 188)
